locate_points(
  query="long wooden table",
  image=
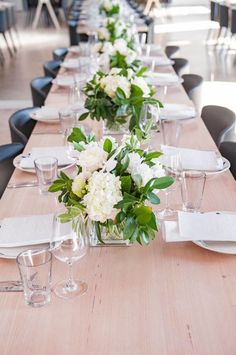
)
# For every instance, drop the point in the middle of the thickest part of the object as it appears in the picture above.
(162, 299)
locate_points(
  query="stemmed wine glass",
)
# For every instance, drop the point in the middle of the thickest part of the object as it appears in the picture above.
(173, 167)
(69, 243)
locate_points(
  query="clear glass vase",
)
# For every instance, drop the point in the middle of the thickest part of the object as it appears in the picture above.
(113, 128)
(111, 234)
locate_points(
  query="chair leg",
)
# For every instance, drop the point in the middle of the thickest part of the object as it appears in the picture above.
(17, 35)
(12, 41)
(7, 43)
(2, 59)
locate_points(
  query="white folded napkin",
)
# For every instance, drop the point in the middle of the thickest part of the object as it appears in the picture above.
(159, 61)
(74, 49)
(213, 226)
(162, 79)
(177, 112)
(192, 159)
(71, 63)
(57, 152)
(47, 113)
(63, 80)
(27, 230)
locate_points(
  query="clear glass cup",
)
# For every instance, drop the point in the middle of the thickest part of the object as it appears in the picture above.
(35, 268)
(149, 116)
(173, 167)
(67, 119)
(171, 130)
(192, 189)
(46, 171)
(69, 243)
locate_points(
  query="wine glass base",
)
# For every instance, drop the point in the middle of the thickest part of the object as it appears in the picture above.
(166, 214)
(63, 290)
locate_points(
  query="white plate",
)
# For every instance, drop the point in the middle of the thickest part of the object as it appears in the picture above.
(177, 111)
(35, 116)
(226, 166)
(70, 64)
(218, 247)
(17, 160)
(63, 82)
(11, 253)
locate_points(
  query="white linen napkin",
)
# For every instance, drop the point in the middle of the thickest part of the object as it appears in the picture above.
(47, 113)
(192, 159)
(213, 226)
(177, 112)
(158, 60)
(63, 80)
(70, 63)
(57, 152)
(27, 230)
(162, 78)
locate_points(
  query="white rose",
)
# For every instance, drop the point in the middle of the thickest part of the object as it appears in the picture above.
(137, 167)
(79, 184)
(115, 71)
(97, 48)
(108, 48)
(142, 84)
(107, 5)
(92, 158)
(104, 191)
(131, 56)
(110, 83)
(120, 45)
(130, 73)
(103, 34)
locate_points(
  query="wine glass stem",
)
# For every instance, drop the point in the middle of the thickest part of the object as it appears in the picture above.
(70, 283)
(167, 200)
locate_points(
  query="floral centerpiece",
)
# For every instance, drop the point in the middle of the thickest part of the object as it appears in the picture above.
(117, 55)
(115, 28)
(117, 98)
(109, 8)
(115, 187)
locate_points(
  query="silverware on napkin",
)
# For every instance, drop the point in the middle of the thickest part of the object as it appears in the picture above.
(22, 184)
(11, 286)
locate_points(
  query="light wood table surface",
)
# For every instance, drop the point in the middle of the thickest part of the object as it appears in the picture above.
(175, 299)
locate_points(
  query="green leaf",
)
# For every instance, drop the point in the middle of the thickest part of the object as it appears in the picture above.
(143, 214)
(153, 198)
(107, 145)
(83, 116)
(120, 93)
(126, 183)
(153, 155)
(129, 227)
(98, 232)
(138, 180)
(153, 223)
(141, 71)
(163, 182)
(77, 136)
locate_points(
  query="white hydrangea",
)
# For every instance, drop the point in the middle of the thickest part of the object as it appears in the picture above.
(104, 191)
(120, 45)
(107, 5)
(108, 48)
(110, 83)
(115, 71)
(97, 48)
(92, 158)
(142, 84)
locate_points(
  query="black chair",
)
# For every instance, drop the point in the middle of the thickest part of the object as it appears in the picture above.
(181, 66)
(51, 68)
(171, 50)
(220, 122)
(228, 150)
(193, 86)
(59, 53)
(39, 89)
(21, 125)
(7, 154)
(72, 25)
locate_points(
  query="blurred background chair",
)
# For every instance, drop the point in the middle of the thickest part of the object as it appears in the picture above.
(171, 51)
(51, 68)
(220, 122)
(193, 86)
(39, 90)
(228, 150)
(21, 125)
(181, 66)
(7, 154)
(59, 53)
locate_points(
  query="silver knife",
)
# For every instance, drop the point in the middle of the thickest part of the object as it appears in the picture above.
(11, 286)
(22, 184)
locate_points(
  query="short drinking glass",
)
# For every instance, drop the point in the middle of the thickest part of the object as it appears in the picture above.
(35, 268)
(67, 119)
(192, 189)
(171, 130)
(46, 171)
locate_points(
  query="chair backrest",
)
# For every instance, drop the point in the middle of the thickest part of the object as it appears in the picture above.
(73, 33)
(181, 66)
(7, 154)
(59, 53)
(220, 122)
(21, 125)
(51, 68)
(171, 50)
(228, 150)
(193, 86)
(39, 89)
(224, 16)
